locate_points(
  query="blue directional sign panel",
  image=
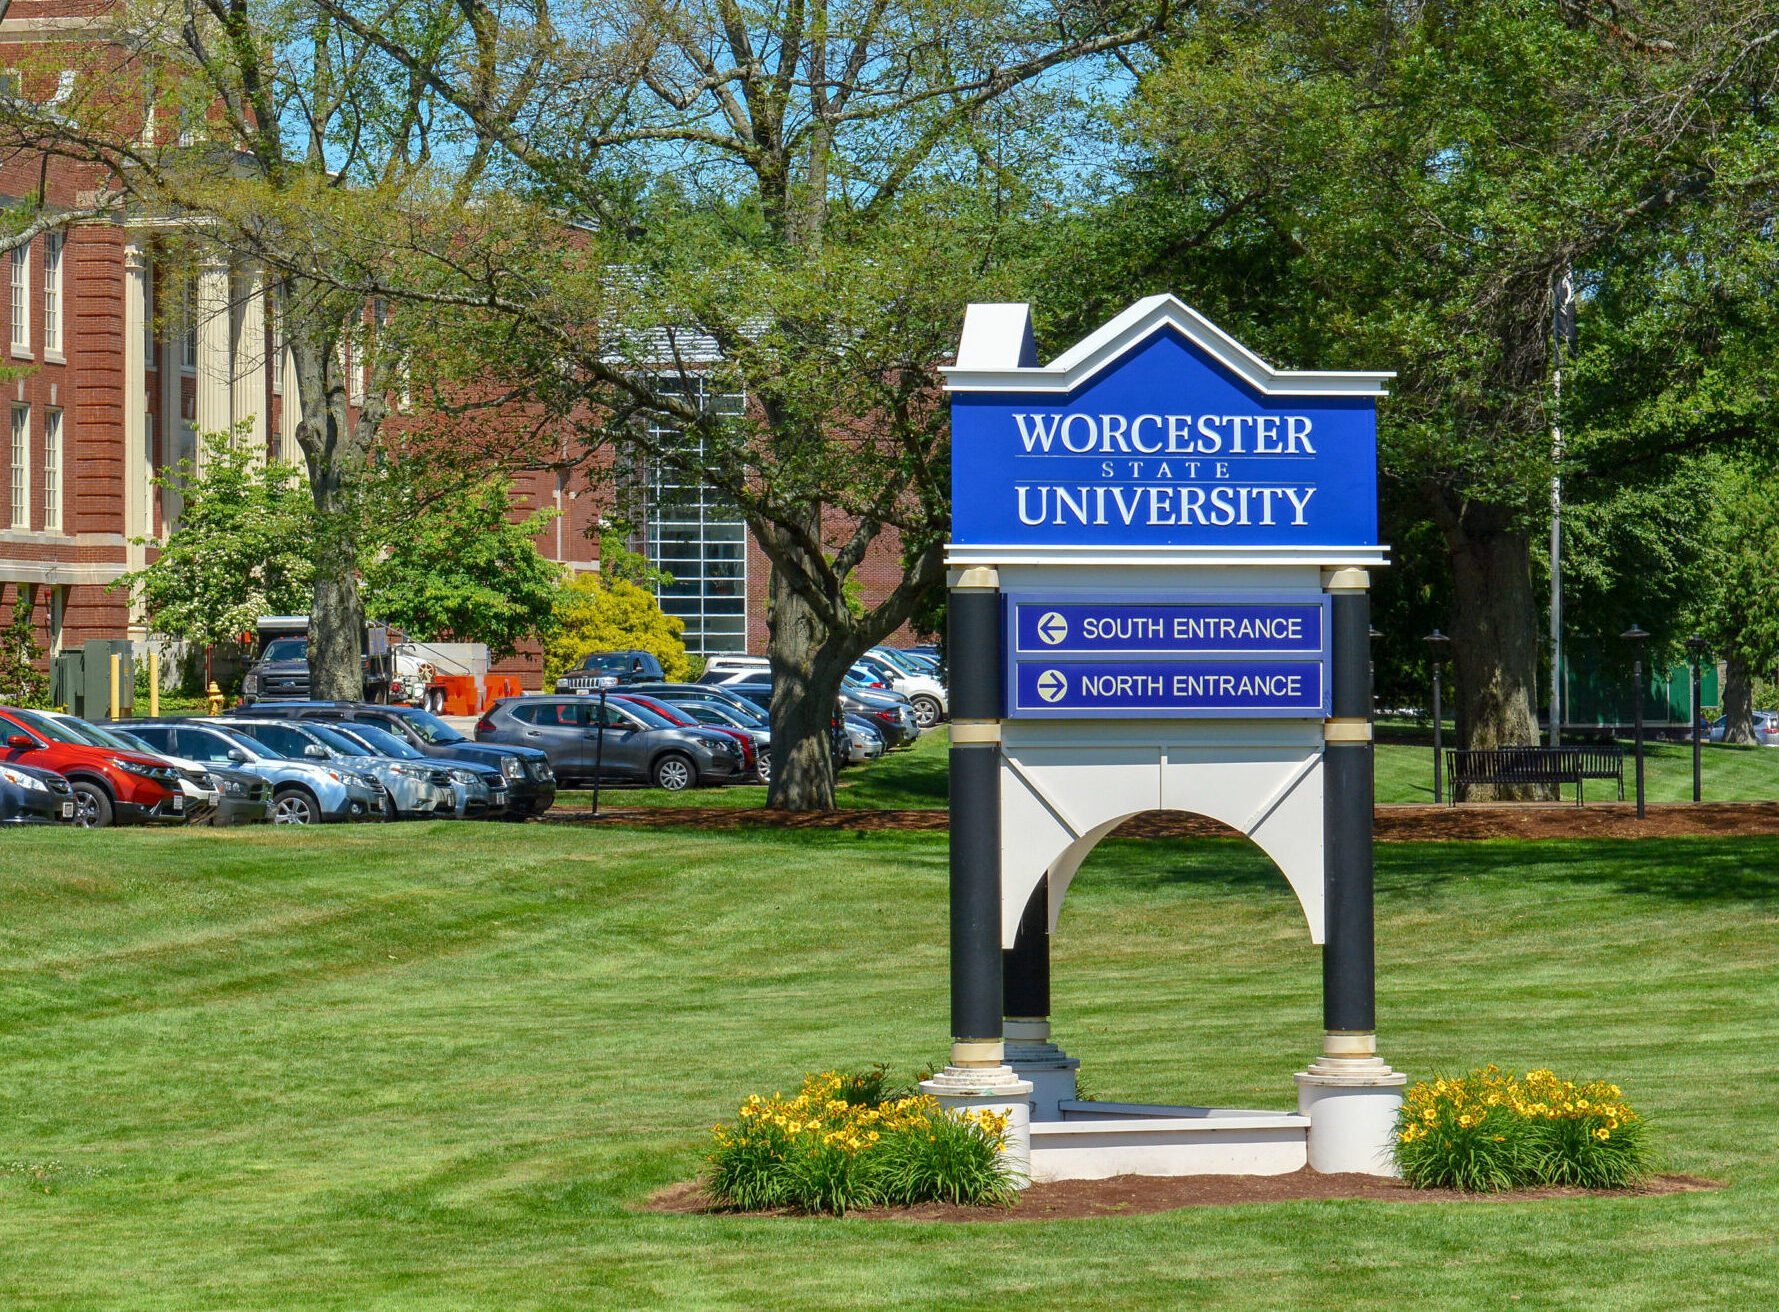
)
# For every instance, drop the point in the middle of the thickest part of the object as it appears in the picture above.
(1108, 627)
(1165, 447)
(1073, 655)
(1176, 689)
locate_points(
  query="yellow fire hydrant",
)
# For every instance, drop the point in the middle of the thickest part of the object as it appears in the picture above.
(214, 695)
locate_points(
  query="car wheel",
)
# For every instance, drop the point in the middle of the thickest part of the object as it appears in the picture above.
(675, 772)
(294, 806)
(927, 712)
(92, 806)
(389, 810)
(764, 767)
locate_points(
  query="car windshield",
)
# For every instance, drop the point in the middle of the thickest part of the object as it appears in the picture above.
(286, 649)
(338, 741)
(430, 728)
(44, 727)
(136, 744)
(712, 713)
(652, 719)
(611, 662)
(92, 734)
(381, 741)
(247, 743)
(673, 714)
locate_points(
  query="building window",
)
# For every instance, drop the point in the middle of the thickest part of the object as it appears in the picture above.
(276, 325)
(52, 471)
(21, 466)
(699, 539)
(21, 299)
(52, 294)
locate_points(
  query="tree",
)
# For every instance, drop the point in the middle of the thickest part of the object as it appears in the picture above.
(243, 547)
(462, 568)
(792, 204)
(1385, 186)
(21, 682)
(260, 134)
(1739, 614)
(611, 615)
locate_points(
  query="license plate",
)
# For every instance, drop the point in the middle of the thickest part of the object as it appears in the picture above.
(376, 803)
(179, 804)
(67, 810)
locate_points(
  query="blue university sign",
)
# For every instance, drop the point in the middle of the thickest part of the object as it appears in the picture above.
(1159, 430)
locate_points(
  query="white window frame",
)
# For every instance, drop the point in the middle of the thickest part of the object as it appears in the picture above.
(188, 331)
(21, 300)
(20, 464)
(54, 243)
(52, 470)
(148, 336)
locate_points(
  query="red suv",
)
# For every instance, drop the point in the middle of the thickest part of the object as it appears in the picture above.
(111, 787)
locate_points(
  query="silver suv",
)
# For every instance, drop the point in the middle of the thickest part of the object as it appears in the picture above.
(411, 789)
(304, 791)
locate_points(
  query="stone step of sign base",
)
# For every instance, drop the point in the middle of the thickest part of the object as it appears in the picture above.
(1097, 1140)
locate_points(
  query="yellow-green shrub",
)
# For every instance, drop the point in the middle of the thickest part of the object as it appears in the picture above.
(611, 615)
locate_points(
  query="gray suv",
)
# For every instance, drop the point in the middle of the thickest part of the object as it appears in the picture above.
(639, 746)
(304, 792)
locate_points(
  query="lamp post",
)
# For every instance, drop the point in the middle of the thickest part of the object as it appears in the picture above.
(1437, 642)
(1695, 648)
(1637, 636)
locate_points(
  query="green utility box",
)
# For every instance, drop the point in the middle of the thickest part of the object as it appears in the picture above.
(80, 679)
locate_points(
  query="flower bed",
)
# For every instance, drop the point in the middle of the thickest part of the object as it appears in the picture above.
(1491, 1130)
(850, 1141)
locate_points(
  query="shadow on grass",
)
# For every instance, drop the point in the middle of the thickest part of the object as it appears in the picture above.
(1676, 869)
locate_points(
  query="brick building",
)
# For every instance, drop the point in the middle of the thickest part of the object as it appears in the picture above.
(123, 354)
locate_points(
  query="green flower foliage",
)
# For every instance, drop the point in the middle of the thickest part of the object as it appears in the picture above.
(1490, 1130)
(848, 1141)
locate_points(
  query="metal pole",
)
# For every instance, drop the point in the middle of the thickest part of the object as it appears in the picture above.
(1562, 336)
(1696, 781)
(599, 752)
(1438, 740)
(1637, 722)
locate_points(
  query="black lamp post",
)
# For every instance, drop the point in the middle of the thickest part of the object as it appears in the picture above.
(1637, 636)
(1695, 648)
(1437, 642)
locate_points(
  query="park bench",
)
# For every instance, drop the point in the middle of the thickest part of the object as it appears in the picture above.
(1514, 767)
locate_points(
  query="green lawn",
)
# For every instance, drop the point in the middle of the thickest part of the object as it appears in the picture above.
(1727, 774)
(436, 1066)
(916, 778)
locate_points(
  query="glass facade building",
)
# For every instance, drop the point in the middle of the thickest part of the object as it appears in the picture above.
(698, 538)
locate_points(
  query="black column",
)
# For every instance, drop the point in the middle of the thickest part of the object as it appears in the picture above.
(1348, 966)
(973, 649)
(1025, 967)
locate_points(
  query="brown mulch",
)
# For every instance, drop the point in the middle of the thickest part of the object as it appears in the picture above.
(1395, 824)
(1138, 1195)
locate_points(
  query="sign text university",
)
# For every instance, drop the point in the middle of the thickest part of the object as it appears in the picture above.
(1137, 490)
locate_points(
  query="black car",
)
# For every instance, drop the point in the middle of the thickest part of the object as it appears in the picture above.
(608, 669)
(635, 745)
(32, 796)
(531, 783)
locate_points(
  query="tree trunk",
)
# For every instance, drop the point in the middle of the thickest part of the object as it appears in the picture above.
(331, 449)
(807, 666)
(1738, 702)
(1494, 627)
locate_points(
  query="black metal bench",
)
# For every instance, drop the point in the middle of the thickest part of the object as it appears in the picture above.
(1518, 767)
